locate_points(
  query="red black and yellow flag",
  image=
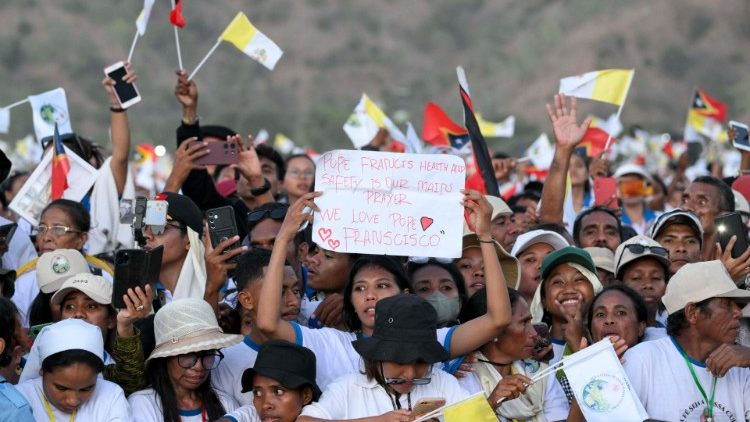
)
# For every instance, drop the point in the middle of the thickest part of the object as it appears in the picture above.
(60, 167)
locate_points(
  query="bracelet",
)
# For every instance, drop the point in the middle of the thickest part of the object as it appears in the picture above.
(114, 109)
(486, 241)
(261, 190)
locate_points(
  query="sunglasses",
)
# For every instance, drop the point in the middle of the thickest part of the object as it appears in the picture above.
(638, 249)
(275, 214)
(157, 230)
(426, 259)
(209, 360)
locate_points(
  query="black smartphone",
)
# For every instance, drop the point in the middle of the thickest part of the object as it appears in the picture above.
(728, 225)
(7, 231)
(127, 94)
(135, 268)
(222, 226)
(542, 331)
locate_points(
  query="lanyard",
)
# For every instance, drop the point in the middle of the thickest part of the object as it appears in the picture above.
(50, 415)
(709, 400)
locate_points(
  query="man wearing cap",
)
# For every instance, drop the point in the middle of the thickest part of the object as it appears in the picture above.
(697, 372)
(504, 227)
(633, 186)
(282, 382)
(604, 260)
(681, 233)
(708, 197)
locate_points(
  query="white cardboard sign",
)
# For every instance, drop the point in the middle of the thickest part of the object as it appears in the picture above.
(389, 204)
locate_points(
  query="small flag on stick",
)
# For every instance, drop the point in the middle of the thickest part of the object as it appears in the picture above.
(609, 86)
(252, 42)
(60, 167)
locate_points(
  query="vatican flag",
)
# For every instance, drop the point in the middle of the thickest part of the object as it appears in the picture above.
(609, 86)
(252, 42)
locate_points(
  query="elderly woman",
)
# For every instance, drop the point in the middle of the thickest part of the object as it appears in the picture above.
(63, 370)
(188, 339)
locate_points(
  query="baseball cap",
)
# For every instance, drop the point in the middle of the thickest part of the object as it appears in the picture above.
(499, 207)
(565, 255)
(688, 285)
(638, 247)
(603, 258)
(94, 286)
(632, 169)
(183, 209)
(676, 216)
(52, 268)
(533, 237)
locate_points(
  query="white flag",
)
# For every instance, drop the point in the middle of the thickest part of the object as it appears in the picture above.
(504, 129)
(365, 121)
(261, 137)
(4, 120)
(541, 152)
(142, 20)
(612, 125)
(47, 108)
(413, 143)
(600, 385)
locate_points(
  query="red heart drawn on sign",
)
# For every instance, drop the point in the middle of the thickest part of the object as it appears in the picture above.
(325, 233)
(334, 244)
(426, 222)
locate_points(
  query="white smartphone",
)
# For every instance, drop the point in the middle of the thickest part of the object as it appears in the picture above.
(741, 140)
(127, 94)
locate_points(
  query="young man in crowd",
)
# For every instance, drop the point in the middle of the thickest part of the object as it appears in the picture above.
(681, 233)
(696, 372)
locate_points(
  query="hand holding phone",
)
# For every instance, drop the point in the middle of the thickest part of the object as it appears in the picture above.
(729, 225)
(222, 226)
(125, 90)
(427, 405)
(740, 139)
(135, 268)
(605, 192)
(220, 152)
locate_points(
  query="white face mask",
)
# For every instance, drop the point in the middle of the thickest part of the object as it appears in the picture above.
(446, 308)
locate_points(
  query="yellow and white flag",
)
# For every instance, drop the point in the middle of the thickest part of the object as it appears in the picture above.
(504, 129)
(283, 144)
(364, 122)
(251, 41)
(142, 20)
(541, 152)
(707, 126)
(4, 120)
(609, 86)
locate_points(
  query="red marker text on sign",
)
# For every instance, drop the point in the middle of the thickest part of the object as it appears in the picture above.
(335, 163)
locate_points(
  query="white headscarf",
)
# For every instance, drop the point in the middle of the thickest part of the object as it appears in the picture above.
(67, 334)
(537, 310)
(192, 279)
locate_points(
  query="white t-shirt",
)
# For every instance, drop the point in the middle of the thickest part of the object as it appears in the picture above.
(661, 379)
(243, 414)
(107, 403)
(334, 353)
(556, 406)
(654, 333)
(558, 346)
(354, 396)
(227, 377)
(146, 407)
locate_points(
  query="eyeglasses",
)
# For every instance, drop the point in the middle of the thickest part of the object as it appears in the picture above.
(275, 214)
(55, 230)
(426, 259)
(209, 360)
(414, 381)
(298, 173)
(639, 249)
(157, 230)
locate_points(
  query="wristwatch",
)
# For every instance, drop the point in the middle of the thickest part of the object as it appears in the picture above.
(261, 190)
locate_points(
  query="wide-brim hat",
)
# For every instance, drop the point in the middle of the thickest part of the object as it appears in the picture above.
(700, 281)
(188, 325)
(508, 263)
(291, 365)
(405, 332)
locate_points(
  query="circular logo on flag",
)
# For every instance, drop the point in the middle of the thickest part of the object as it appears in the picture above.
(603, 393)
(52, 113)
(60, 265)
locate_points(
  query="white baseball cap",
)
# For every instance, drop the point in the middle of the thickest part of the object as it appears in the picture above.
(689, 285)
(604, 258)
(94, 286)
(528, 239)
(52, 268)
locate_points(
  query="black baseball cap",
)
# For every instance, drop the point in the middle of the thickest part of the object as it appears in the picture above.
(184, 210)
(291, 365)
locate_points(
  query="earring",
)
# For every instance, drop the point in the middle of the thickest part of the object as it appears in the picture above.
(494, 340)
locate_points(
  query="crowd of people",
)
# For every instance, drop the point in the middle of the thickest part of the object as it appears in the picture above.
(270, 326)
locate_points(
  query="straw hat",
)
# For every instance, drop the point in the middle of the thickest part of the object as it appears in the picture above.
(188, 325)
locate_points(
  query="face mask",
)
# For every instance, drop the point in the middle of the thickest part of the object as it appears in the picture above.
(446, 308)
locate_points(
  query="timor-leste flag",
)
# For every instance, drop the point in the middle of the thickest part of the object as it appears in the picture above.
(60, 167)
(482, 158)
(706, 115)
(439, 130)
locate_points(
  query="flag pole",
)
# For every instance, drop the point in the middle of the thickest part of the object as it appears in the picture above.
(132, 46)
(619, 111)
(16, 104)
(177, 43)
(204, 59)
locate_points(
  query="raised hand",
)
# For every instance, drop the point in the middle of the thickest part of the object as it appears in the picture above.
(479, 211)
(296, 215)
(109, 84)
(137, 306)
(249, 163)
(568, 133)
(186, 91)
(509, 388)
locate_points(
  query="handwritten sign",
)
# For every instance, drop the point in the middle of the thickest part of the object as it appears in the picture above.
(389, 204)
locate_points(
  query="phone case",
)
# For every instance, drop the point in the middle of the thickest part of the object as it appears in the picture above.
(134, 268)
(222, 226)
(425, 406)
(728, 225)
(605, 188)
(7, 231)
(220, 152)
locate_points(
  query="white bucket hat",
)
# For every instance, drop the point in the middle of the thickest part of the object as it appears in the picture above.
(188, 325)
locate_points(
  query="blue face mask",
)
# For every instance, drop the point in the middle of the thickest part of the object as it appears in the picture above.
(446, 308)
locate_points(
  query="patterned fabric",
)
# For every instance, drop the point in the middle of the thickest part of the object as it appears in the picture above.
(128, 370)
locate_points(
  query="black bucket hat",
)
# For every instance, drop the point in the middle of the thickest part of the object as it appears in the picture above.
(405, 332)
(184, 210)
(291, 365)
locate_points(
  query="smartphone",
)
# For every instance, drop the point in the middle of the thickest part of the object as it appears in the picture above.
(126, 93)
(605, 192)
(34, 330)
(741, 140)
(156, 213)
(425, 406)
(7, 231)
(728, 225)
(135, 268)
(222, 226)
(542, 331)
(220, 152)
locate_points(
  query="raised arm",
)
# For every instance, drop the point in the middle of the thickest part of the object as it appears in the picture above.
(120, 131)
(469, 336)
(568, 134)
(269, 320)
